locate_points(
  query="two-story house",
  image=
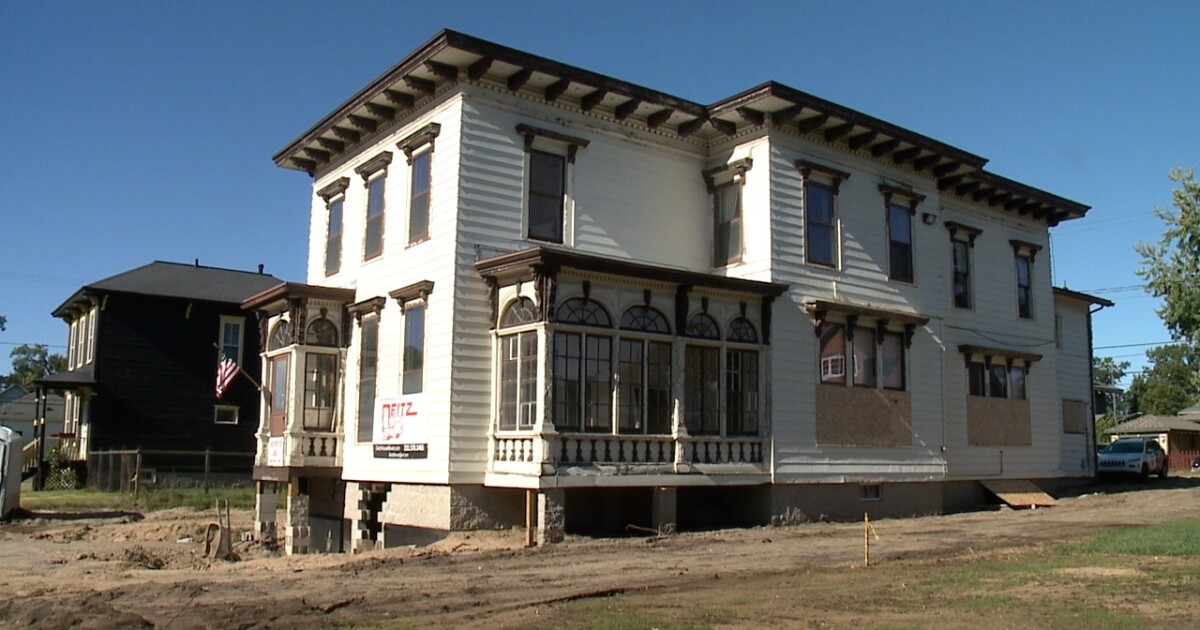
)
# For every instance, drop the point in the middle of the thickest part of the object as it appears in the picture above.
(541, 295)
(142, 354)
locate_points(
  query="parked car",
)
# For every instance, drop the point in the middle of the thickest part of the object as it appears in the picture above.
(1133, 456)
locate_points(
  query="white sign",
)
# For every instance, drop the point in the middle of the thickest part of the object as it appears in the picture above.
(401, 427)
(275, 451)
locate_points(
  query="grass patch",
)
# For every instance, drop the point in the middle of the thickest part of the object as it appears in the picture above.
(156, 499)
(1168, 539)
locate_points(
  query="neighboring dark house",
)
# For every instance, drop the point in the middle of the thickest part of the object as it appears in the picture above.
(143, 349)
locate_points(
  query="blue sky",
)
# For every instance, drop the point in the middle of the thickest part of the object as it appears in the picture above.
(136, 131)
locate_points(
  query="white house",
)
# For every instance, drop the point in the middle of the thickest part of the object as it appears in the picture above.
(540, 294)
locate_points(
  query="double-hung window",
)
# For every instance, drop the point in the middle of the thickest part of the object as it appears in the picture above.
(550, 157)
(418, 148)
(821, 185)
(231, 338)
(414, 349)
(901, 205)
(725, 187)
(368, 358)
(1023, 255)
(374, 174)
(962, 244)
(335, 200)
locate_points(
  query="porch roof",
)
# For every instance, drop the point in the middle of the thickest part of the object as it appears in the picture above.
(276, 297)
(520, 263)
(84, 376)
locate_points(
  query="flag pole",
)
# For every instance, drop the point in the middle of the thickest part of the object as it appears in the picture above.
(243, 372)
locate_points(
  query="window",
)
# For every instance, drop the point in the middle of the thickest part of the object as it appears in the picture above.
(892, 349)
(962, 273)
(334, 195)
(333, 238)
(281, 336)
(900, 251)
(418, 201)
(864, 357)
(322, 332)
(741, 392)
(414, 349)
(518, 368)
(901, 204)
(231, 338)
(583, 369)
(367, 363)
(820, 227)
(976, 379)
(1024, 254)
(833, 353)
(72, 333)
(820, 215)
(998, 381)
(547, 188)
(374, 174)
(373, 241)
(702, 377)
(870, 491)
(1024, 288)
(225, 414)
(91, 336)
(644, 374)
(320, 390)
(727, 224)
(1017, 382)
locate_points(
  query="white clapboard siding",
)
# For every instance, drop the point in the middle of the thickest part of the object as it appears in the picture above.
(1075, 378)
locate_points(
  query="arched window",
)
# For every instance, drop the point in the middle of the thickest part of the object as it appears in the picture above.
(322, 332)
(644, 319)
(281, 335)
(521, 311)
(583, 311)
(742, 330)
(702, 326)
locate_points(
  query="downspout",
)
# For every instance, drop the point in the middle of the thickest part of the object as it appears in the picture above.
(1090, 469)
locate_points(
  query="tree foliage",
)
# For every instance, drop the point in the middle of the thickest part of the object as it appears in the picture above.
(1112, 407)
(31, 362)
(1108, 371)
(1171, 268)
(1169, 384)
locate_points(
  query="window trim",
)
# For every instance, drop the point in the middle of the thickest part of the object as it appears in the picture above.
(834, 177)
(334, 193)
(240, 322)
(733, 173)
(914, 199)
(373, 169)
(565, 146)
(1027, 251)
(217, 409)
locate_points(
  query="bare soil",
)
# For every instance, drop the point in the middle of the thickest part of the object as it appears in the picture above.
(128, 570)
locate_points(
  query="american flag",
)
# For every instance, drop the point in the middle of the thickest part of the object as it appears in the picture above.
(227, 369)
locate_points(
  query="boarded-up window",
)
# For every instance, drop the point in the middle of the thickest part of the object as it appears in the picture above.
(1075, 413)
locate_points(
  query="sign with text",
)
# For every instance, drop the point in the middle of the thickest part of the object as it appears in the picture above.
(401, 427)
(275, 451)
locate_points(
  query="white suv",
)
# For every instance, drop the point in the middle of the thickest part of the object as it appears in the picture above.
(1133, 456)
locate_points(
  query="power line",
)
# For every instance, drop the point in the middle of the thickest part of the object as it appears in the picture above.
(1133, 345)
(20, 343)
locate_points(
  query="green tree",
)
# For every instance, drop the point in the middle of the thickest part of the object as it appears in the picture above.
(1171, 268)
(31, 362)
(3, 322)
(1169, 384)
(1108, 371)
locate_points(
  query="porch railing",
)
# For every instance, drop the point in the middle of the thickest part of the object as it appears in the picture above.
(304, 448)
(543, 454)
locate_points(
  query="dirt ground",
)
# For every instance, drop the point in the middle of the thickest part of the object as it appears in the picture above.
(149, 570)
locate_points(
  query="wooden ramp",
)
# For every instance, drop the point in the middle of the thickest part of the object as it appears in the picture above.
(1019, 493)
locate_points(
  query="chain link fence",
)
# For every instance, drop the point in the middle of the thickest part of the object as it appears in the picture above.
(130, 471)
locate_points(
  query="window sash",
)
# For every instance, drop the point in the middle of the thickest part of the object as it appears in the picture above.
(518, 381)
(864, 357)
(333, 238)
(367, 364)
(412, 379)
(833, 354)
(644, 390)
(1024, 289)
(320, 390)
(547, 189)
(741, 392)
(702, 387)
(976, 379)
(961, 252)
(892, 350)
(820, 238)
(900, 243)
(998, 381)
(373, 238)
(727, 224)
(231, 340)
(418, 203)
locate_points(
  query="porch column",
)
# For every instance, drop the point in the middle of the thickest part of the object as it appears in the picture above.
(552, 516)
(265, 501)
